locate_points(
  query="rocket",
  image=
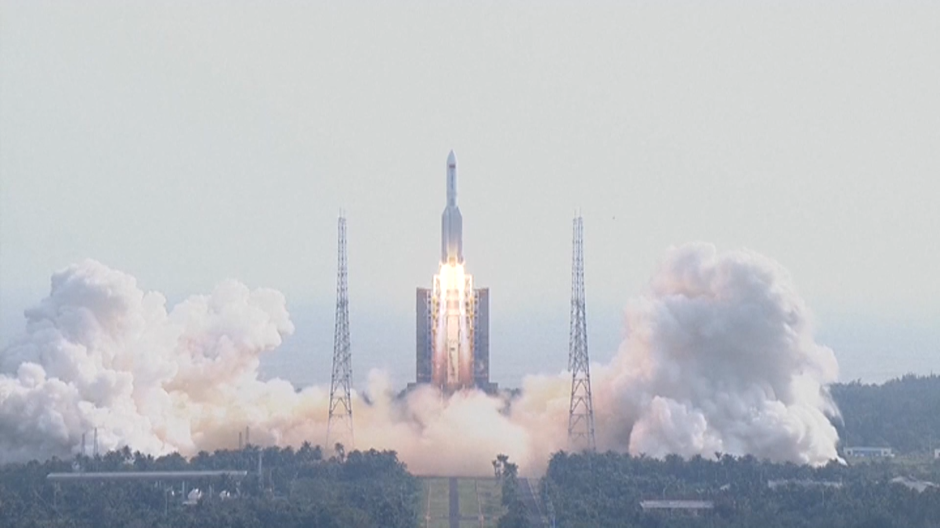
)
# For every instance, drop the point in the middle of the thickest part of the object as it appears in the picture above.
(451, 303)
(451, 221)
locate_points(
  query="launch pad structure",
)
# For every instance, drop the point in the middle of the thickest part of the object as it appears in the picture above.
(452, 317)
(475, 373)
(452, 330)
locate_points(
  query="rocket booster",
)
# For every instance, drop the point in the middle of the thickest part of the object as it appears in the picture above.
(451, 221)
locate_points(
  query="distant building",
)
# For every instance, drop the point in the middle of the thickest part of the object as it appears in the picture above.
(916, 485)
(803, 483)
(936, 453)
(868, 452)
(688, 506)
(144, 475)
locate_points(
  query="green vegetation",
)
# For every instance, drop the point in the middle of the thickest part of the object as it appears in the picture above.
(298, 489)
(606, 490)
(303, 488)
(517, 513)
(903, 414)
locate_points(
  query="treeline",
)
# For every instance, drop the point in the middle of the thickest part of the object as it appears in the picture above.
(606, 489)
(517, 513)
(294, 489)
(903, 414)
(306, 488)
(590, 490)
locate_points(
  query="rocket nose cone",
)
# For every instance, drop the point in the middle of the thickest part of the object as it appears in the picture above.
(451, 159)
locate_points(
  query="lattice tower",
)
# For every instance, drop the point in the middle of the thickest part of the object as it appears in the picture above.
(340, 426)
(581, 411)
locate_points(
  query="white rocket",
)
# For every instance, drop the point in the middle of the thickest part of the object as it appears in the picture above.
(451, 221)
(453, 290)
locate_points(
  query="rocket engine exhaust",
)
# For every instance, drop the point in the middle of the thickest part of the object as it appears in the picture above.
(453, 351)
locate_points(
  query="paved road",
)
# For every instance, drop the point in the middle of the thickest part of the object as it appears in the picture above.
(454, 504)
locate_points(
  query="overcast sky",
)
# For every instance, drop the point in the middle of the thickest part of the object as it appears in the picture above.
(189, 142)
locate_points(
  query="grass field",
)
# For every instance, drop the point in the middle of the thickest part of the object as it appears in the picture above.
(479, 502)
(469, 504)
(491, 496)
(436, 506)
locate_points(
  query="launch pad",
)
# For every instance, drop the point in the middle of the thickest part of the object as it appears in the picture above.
(452, 317)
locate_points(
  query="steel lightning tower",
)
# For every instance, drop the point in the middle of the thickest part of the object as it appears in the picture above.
(340, 425)
(581, 411)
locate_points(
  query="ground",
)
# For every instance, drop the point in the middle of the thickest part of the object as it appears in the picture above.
(457, 502)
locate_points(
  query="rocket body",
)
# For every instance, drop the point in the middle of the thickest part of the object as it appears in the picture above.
(451, 220)
(453, 299)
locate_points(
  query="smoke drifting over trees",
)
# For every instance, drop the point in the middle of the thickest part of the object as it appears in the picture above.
(99, 352)
(719, 356)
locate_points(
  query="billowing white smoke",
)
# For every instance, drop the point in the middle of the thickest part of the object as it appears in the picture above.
(719, 357)
(101, 353)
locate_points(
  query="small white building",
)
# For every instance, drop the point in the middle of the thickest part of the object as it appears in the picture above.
(917, 485)
(681, 505)
(936, 453)
(868, 452)
(803, 483)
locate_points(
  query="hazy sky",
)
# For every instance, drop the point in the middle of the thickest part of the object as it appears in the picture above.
(189, 142)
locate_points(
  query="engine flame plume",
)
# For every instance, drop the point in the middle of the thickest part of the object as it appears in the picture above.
(452, 328)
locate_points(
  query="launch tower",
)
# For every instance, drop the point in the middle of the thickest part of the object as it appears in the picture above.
(452, 327)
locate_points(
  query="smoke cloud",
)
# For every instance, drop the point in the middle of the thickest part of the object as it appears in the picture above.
(99, 352)
(719, 356)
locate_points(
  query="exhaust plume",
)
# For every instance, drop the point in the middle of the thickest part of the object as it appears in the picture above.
(99, 352)
(718, 357)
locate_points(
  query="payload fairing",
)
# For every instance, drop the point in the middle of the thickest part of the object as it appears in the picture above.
(452, 328)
